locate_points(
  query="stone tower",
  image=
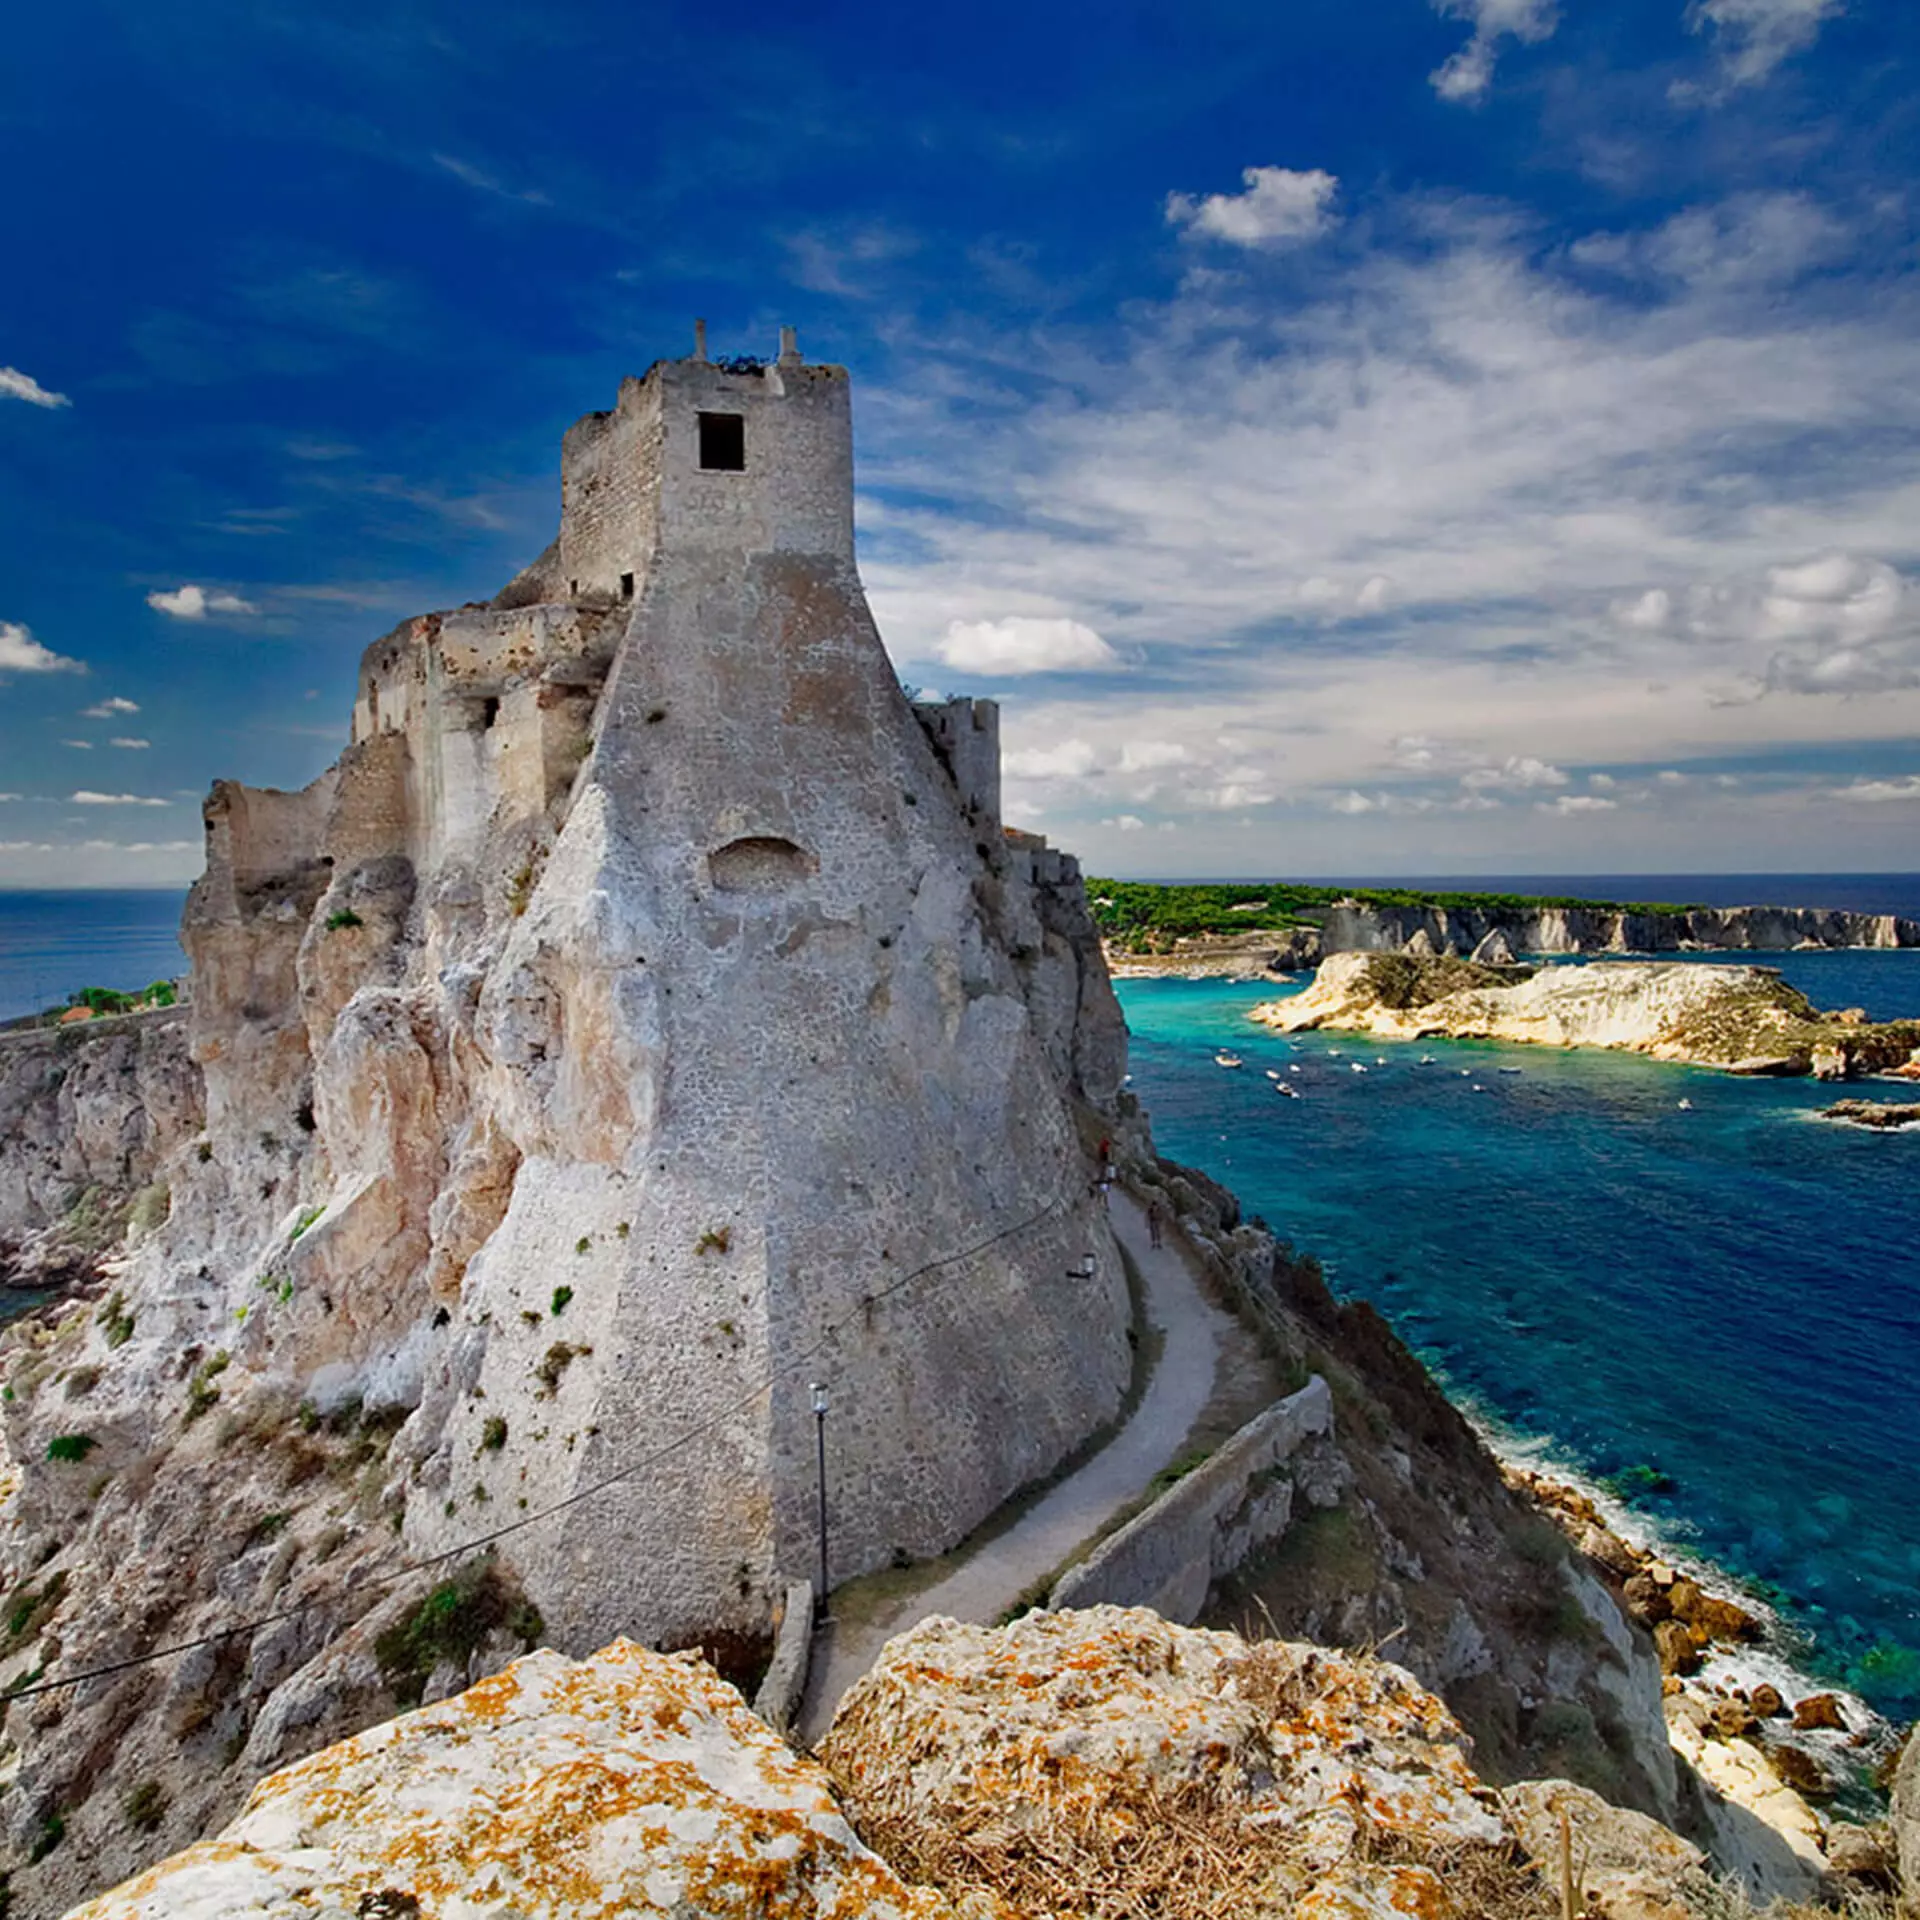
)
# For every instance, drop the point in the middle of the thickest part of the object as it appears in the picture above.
(697, 1033)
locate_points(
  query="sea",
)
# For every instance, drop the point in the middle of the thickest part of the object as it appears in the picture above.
(1683, 1286)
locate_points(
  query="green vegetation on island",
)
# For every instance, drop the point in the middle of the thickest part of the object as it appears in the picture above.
(1145, 916)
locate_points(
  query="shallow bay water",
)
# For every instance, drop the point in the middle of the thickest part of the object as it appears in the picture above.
(1725, 1294)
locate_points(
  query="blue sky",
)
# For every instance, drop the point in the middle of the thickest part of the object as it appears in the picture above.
(1348, 439)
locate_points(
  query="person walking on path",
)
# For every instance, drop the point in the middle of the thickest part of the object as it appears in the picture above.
(1156, 1224)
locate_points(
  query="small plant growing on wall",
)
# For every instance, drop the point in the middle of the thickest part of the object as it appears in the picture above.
(493, 1436)
(561, 1295)
(343, 917)
(714, 1240)
(71, 1447)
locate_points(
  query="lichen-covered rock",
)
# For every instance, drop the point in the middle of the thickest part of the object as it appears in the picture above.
(1107, 1753)
(629, 1783)
(1624, 1865)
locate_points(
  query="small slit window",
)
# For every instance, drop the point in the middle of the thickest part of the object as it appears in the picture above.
(626, 586)
(723, 442)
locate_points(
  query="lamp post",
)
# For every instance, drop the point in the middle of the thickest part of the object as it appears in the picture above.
(820, 1453)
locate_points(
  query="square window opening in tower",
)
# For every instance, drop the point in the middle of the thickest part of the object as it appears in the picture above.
(723, 442)
(626, 586)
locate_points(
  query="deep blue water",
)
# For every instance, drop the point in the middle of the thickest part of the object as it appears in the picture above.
(1729, 1295)
(52, 944)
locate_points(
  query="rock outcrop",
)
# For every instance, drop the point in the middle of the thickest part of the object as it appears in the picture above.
(1743, 1019)
(628, 1783)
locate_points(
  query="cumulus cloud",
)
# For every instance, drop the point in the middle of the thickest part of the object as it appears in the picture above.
(1649, 613)
(1902, 788)
(85, 798)
(195, 603)
(79, 746)
(108, 709)
(1468, 74)
(1752, 37)
(1278, 208)
(128, 743)
(1023, 644)
(15, 385)
(1069, 760)
(1516, 774)
(20, 652)
(1150, 756)
(1577, 803)
(1126, 822)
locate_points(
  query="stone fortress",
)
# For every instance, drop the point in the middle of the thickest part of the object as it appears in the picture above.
(646, 943)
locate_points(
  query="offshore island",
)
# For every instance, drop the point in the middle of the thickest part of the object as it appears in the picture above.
(641, 1188)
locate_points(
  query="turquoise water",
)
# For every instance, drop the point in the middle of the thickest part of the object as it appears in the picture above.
(1729, 1295)
(53, 944)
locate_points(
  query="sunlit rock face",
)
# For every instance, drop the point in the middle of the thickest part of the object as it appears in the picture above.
(630, 1783)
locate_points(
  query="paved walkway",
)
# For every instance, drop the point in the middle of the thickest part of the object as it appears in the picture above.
(990, 1580)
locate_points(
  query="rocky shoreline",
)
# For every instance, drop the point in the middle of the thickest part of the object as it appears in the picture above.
(1879, 1116)
(1786, 1749)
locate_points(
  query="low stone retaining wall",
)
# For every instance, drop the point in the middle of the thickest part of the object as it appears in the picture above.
(1206, 1525)
(778, 1701)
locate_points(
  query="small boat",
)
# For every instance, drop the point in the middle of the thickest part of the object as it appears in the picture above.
(1426, 1060)
(1273, 1073)
(1478, 1088)
(1228, 1060)
(1513, 1070)
(1380, 1060)
(1466, 1073)
(1686, 1106)
(1292, 1093)
(1356, 1067)
(1293, 1069)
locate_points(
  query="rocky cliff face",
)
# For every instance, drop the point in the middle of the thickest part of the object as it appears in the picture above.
(89, 1115)
(1745, 1019)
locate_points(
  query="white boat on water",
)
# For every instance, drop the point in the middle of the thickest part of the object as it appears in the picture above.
(1273, 1073)
(1292, 1092)
(1426, 1060)
(1514, 1070)
(1356, 1067)
(1686, 1106)
(1293, 1069)
(1228, 1060)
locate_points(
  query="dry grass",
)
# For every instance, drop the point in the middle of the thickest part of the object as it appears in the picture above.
(1173, 1853)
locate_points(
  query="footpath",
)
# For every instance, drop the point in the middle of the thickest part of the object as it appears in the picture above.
(992, 1578)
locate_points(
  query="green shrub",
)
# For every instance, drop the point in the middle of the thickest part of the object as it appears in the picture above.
(32, 1608)
(115, 1321)
(202, 1394)
(561, 1295)
(493, 1436)
(343, 917)
(714, 1240)
(307, 1217)
(145, 1807)
(52, 1831)
(554, 1362)
(583, 1243)
(449, 1625)
(71, 1447)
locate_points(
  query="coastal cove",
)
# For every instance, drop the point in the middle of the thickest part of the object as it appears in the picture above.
(1726, 1295)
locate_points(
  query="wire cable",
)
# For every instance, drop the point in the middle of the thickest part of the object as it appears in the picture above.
(382, 1582)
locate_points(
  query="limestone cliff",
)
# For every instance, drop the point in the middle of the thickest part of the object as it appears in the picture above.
(1745, 1019)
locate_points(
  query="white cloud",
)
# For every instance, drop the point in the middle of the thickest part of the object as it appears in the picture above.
(15, 385)
(79, 746)
(1576, 803)
(1672, 778)
(107, 709)
(1754, 36)
(1353, 801)
(84, 798)
(1149, 756)
(11, 796)
(1023, 644)
(1516, 774)
(1647, 614)
(1468, 74)
(1604, 781)
(129, 744)
(195, 603)
(1374, 594)
(1126, 822)
(20, 652)
(1279, 208)
(1070, 760)
(1902, 788)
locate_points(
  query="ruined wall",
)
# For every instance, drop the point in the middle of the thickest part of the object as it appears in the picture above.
(966, 735)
